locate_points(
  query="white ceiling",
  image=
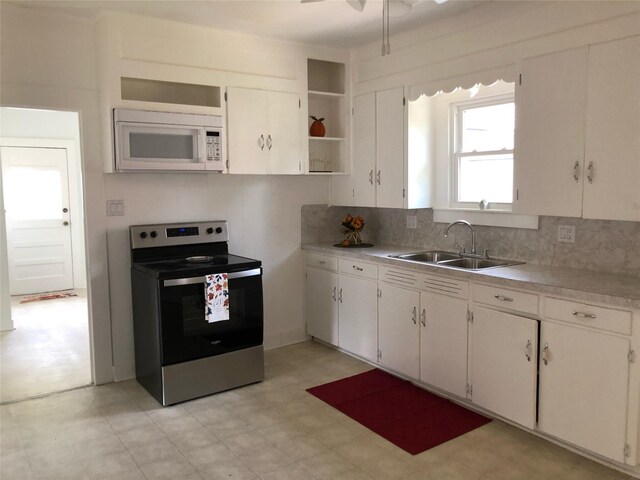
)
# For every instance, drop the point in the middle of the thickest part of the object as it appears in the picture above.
(330, 23)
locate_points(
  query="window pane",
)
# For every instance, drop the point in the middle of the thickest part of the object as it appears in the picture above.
(486, 177)
(488, 128)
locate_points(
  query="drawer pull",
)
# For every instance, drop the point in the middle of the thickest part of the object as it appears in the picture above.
(583, 315)
(357, 268)
(502, 298)
(321, 262)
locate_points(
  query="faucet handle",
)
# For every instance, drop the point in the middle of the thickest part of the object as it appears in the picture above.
(485, 254)
(460, 248)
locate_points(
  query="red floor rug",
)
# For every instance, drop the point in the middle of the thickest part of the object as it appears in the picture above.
(47, 296)
(407, 416)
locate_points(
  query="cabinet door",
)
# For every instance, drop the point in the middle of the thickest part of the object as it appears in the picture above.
(322, 305)
(613, 131)
(398, 331)
(390, 148)
(503, 364)
(247, 130)
(358, 313)
(283, 140)
(443, 343)
(583, 388)
(549, 136)
(364, 150)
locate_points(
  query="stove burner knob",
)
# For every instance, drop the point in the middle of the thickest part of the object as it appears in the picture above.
(143, 235)
(219, 230)
(153, 234)
(210, 230)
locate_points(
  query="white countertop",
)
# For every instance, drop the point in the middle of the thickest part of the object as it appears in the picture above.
(582, 285)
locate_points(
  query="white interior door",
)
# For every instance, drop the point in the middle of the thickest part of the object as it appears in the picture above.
(36, 199)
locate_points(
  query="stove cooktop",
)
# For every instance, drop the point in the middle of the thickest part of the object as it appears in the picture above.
(180, 267)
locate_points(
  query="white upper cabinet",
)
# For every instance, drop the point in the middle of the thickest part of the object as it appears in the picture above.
(364, 150)
(612, 153)
(577, 133)
(263, 131)
(549, 135)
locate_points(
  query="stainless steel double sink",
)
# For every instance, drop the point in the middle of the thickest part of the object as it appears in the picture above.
(453, 260)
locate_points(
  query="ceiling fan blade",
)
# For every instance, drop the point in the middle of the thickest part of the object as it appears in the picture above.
(357, 5)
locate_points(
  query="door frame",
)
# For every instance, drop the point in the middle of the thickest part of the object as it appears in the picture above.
(73, 163)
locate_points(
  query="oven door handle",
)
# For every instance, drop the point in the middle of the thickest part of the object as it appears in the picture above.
(175, 282)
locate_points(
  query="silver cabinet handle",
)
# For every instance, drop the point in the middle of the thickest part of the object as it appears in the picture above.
(545, 353)
(584, 315)
(261, 142)
(378, 177)
(334, 293)
(414, 315)
(590, 172)
(269, 142)
(576, 171)
(528, 350)
(502, 298)
(340, 296)
(371, 177)
(357, 268)
(423, 316)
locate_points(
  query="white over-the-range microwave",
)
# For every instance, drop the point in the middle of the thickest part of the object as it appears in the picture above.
(146, 140)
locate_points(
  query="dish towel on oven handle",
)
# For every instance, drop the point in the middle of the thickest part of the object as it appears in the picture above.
(216, 297)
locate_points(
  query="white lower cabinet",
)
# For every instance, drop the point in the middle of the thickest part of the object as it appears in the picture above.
(322, 305)
(443, 342)
(584, 385)
(503, 364)
(398, 329)
(358, 314)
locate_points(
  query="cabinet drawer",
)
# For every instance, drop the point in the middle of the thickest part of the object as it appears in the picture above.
(360, 269)
(505, 298)
(399, 277)
(322, 261)
(610, 319)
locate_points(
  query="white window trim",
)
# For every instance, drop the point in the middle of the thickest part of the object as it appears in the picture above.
(454, 156)
(492, 218)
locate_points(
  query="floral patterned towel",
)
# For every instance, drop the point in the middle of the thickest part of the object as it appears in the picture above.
(216, 296)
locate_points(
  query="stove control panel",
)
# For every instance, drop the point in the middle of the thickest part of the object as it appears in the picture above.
(163, 235)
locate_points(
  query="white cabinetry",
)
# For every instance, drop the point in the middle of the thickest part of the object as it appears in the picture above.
(443, 343)
(584, 386)
(321, 304)
(358, 309)
(503, 364)
(398, 329)
(577, 140)
(263, 131)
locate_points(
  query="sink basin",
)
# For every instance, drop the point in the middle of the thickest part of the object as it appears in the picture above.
(431, 256)
(476, 263)
(441, 258)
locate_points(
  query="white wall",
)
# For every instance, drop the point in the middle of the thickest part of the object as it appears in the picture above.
(6, 322)
(47, 124)
(56, 69)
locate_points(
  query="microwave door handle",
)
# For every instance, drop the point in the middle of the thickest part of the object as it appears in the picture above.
(176, 282)
(202, 146)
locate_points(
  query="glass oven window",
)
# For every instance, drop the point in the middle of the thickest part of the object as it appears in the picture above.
(186, 335)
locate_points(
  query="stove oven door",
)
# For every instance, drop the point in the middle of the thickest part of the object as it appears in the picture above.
(185, 333)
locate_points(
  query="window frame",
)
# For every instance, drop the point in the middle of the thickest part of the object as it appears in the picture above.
(455, 143)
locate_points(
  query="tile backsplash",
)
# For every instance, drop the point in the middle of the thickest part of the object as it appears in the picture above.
(604, 245)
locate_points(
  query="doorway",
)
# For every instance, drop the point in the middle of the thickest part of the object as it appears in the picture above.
(45, 343)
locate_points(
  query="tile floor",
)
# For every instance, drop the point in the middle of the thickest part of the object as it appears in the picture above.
(272, 430)
(49, 349)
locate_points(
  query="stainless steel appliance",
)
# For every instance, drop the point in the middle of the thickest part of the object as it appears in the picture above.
(179, 354)
(146, 140)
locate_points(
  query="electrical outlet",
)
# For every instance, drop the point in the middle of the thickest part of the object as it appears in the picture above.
(567, 233)
(412, 221)
(115, 207)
